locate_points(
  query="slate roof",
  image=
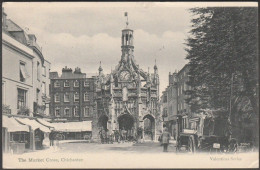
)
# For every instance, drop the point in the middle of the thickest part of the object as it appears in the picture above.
(11, 26)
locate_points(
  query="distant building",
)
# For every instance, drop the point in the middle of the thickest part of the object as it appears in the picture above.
(182, 107)
(72, 95)
(173, 100)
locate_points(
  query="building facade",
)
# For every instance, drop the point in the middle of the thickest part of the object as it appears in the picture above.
(174, 98)
(25, 85)
(72, 95)
(128, 97)
(25, 82)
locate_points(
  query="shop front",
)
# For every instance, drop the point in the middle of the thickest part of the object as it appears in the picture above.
(73, 130)
(15, 136)
(38, 132)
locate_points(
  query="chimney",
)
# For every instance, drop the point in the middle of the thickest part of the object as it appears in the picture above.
(32, 37)
(66, 69)
(170, 79)
(77, 70)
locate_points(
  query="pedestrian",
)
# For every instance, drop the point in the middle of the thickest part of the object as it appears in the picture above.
(165, 139)
(160, 137)
(101, 136)
(174, 134)
(41, 139)
(124, 133)
(107, 136)
(112, 137)
(117, 136)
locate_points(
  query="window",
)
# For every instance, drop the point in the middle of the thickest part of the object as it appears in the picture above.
(21, 99)
(23, 72)
(76, 111)
(86, 83)
(38, 71)
(43, 70)
(37, 95)
(76, 83)
(66, 97)
(57, 98)
(66, 83)
(86, 112)
(76, 97)
(44, 87)
(181, 90)
(178, 91)
(56, 84)
(67, 111)
(86, 97)
(57, 112)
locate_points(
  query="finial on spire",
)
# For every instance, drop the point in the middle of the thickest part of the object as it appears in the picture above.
(126, 15)
(100, 68)
(155, 66)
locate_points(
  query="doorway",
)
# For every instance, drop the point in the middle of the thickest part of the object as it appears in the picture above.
(149, 127)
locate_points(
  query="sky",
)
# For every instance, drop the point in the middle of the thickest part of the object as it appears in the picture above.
(83, 34)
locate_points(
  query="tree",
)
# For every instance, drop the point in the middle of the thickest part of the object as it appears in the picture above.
(223, 43)
(222, 52)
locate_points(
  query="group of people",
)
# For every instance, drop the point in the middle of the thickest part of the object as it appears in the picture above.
(54, 138)
(116, 136)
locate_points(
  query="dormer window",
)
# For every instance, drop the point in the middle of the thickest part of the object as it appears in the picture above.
(76, 83)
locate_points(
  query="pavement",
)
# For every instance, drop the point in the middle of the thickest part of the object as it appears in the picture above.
(80, 154)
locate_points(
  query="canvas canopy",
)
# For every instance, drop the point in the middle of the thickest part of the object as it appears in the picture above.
(13, 126)
(73, 126)
(45, 123)
(33, 123)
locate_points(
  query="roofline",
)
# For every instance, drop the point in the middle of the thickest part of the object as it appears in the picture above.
(47, 61)
(185, 66)
(15, 25)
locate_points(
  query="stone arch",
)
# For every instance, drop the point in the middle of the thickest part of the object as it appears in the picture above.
(149, 127)
(102, 121)
(126, 121)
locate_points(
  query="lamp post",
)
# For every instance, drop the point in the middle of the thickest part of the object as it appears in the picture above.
(230, 100)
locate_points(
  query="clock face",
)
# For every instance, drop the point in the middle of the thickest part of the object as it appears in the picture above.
(124, 75)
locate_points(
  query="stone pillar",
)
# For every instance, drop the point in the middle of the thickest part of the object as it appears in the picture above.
(95, 130)
(32, 139)
(5, 139)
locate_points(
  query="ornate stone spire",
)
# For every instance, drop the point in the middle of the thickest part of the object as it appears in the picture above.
(127, 44)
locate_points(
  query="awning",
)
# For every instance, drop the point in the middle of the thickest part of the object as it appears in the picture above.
(33, 123)
(45, 123)
(13, 126)
(73, 126)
